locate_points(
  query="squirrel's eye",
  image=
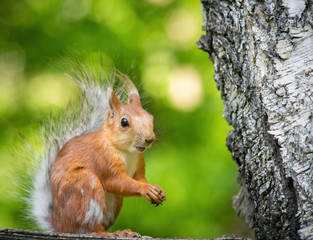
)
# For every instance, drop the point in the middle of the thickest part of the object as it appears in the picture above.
(124, 122)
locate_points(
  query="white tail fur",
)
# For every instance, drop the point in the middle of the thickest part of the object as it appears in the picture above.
(86, 115)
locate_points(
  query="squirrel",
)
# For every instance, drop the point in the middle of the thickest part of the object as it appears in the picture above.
(93, 158)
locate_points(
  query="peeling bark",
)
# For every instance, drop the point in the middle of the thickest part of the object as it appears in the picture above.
(263, 58)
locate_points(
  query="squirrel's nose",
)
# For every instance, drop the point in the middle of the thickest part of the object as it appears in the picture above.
(149, 140)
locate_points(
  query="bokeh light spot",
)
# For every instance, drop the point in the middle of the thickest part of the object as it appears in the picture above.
(185, 88)
(49, 89)
(74, 10)
(161, 2)
(117, 15)
(155, 74)
(12, 65)
(181, 28)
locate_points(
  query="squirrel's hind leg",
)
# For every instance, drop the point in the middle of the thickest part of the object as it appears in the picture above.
(78, 201)
(100, 229)
(79, 204)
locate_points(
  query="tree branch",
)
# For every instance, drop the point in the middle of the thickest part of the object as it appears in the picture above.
(14, 234)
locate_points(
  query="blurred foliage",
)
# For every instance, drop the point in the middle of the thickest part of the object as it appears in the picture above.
(156, 40)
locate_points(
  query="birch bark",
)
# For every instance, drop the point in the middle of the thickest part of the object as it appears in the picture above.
(263, 58)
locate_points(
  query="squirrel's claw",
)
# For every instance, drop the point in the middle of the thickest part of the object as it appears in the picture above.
(155, 195)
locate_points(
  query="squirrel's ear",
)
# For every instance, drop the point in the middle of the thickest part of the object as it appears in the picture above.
(134, 99)
(114, 103)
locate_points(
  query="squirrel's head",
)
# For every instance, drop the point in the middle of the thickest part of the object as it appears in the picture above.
(130, 125)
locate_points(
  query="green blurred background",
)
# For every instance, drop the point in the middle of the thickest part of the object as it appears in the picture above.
(157, 39)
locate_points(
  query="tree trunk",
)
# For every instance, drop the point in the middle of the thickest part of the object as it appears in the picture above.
(263, 58)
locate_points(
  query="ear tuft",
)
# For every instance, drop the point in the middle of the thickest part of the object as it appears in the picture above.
(134, 99)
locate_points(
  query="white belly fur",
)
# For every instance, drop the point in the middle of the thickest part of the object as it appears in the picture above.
(108, 215)
(131, 161)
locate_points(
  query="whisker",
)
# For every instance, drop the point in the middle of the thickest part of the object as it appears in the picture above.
(159, 133)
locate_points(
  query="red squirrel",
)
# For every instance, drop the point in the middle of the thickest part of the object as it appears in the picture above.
(101, 160)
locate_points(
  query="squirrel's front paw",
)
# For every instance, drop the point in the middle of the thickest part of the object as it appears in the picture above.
(155, 194)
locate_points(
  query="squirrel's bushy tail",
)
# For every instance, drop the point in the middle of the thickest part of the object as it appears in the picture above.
(85, 115)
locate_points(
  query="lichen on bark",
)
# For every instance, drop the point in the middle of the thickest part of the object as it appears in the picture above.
(263, 58)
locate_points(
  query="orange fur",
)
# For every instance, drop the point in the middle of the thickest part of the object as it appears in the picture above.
(90, 176)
